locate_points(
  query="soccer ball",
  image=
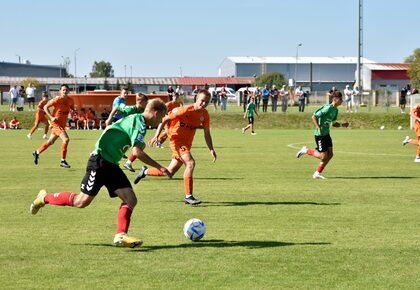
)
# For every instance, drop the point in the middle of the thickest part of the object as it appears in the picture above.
(194, 229)
(400, 127)
(382, 127)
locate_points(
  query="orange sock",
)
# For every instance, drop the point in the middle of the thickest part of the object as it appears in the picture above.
(154, 172)
(32, 130)
(46, 129)
(418, 151)
(414, 142)
(43, 147)
(64, 150)
(132, 157)
(188, 184)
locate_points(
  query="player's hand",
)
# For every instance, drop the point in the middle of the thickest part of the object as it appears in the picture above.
(107, 122)
(152, 141)
(345, 125)
(213, 153)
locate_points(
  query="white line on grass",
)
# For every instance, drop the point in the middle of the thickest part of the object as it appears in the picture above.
(292, 145)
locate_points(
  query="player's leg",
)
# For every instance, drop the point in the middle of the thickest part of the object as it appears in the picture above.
(47, 127)
(65, 138)
(189, 162)
(36, 124)
(44, 147)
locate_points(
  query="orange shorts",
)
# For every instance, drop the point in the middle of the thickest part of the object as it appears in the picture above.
(58, 130)
(417, 130)
(179, 149)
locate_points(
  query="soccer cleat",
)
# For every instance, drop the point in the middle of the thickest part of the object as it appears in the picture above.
(417, 159)
(29, 136)
(122, 240)
(317, 175)
(45, 136)
(192, 200)
(243, 130)
(38, 202)
(141, 175)
(253, 133)
(128, 166)
(302, 151)
(64, 164)
(158, 144)
(36, 157)
(406, 140)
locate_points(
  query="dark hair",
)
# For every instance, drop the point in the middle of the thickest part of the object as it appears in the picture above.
(205, 92)
(64, 85)
(124, 88)
(337, 94)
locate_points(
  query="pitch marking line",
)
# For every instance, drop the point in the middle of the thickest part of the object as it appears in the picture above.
(292, 145)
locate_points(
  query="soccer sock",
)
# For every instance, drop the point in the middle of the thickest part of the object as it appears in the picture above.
(43, 147)
(154, 172)
(418, 151)
(188, 184)
(32, 130)
(131, 158)
(124, 217)
(310, 152)
(320, 168)
(46, 129)
(61, 198)
(414, 142)
(64, 151)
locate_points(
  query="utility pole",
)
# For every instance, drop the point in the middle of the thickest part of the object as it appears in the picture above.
(359, 80)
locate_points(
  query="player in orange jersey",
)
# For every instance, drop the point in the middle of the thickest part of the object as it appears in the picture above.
(40, 117)
(184, 122)
(174, 103)
(415, 114)
(58, 119)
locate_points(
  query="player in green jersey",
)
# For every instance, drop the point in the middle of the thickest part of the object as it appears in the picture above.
(251, 108)
(322, 118)
(103, 170)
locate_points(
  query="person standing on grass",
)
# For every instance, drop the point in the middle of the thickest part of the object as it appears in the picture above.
(184, 122)
(13, 93)
(58, 120)
(250, 110)
(415, 114)
(30, 95)
(40, 117)
(322, 118)
(103, 170)
(265, 96)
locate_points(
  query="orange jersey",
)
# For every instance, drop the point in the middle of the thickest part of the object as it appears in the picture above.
(172, 105)
(184, 122)
(416, 111)
(61, 110)
(40, 113)
(90, 115)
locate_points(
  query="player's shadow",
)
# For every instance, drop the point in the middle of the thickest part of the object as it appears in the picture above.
(373, 177)
(211, 178)
(228, 244)
(249, 203)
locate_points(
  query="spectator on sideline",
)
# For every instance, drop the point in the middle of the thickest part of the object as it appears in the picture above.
(274, 93)
(330, 94)
(348, 93)
(223, 99)
(403, 99)
(265, 96)
(21, 99)
(14, 123)
(4, 125)
(245, 100)
(301, 98)
(284, 94)
(13, 94)
(104, 117)
(30, 95)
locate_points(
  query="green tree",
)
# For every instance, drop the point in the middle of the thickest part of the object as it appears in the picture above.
(414, 68)
(28, 81)
(102, 69)
(272, 78)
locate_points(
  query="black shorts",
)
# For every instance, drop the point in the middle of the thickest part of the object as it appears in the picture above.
(251, 120)
(403, 101)
(31, 100)
(100, 172)
(323, 143)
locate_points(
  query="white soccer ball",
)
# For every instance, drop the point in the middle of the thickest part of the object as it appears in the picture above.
(382, 127)
(399, 127)
(194, 229)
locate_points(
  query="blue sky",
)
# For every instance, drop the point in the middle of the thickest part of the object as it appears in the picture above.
(165, 37)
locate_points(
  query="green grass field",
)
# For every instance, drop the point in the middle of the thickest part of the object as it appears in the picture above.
(269, 224)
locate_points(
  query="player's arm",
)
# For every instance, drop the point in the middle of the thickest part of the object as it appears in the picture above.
(113, 112)
(315, 121)
(209, 142)
(159, 129)
(48, 113)
(345, 125)
(140, 154)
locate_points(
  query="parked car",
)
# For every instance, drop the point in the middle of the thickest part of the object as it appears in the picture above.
(231, 94)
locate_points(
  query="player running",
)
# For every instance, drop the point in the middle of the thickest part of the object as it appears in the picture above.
(58, 120)
(322, 118)
(103, 170)
(40, 117)
(174, 103)
(184, 122)
(251, 108)
(415, 114)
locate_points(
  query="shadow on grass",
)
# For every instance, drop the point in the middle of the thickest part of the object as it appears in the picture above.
(247, 203)
(217, 244)
(373, 177)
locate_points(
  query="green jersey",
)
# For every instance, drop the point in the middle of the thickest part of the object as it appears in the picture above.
(250, 109)
(325, 115)
(120, 136)
(129, 110)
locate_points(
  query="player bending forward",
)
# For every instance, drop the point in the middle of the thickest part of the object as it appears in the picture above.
(322, 118)
(103, 170)
(184, 122)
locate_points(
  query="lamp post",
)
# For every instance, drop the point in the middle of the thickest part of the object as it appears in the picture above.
(180, 71)
(18, 57)
(75, 71)
(297, 56)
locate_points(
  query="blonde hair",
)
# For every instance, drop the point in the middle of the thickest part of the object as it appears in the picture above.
(156, 105)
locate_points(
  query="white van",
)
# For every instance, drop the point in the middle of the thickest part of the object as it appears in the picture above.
(231, 94)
